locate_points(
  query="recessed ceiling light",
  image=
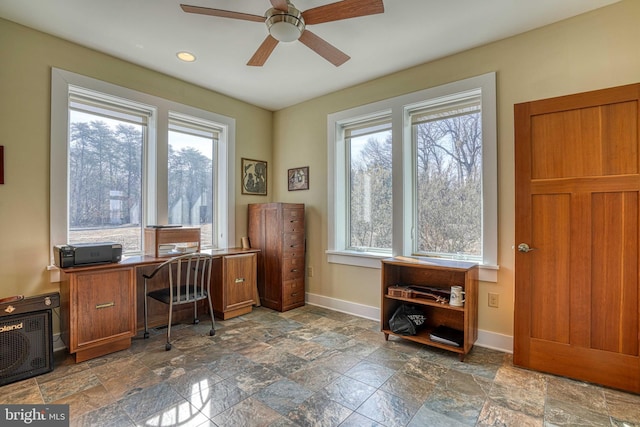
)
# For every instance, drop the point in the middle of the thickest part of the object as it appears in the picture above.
(186, 56)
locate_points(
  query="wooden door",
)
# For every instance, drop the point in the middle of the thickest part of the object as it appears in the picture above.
(577, 207)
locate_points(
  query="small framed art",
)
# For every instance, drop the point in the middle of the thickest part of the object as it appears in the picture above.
(298, 178)
(254, 177)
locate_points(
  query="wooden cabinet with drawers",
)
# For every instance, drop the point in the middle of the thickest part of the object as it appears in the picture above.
(98, 310)
(277, 229)
(235, 295)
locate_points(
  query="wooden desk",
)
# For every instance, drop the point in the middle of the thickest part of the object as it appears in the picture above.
(102, 306)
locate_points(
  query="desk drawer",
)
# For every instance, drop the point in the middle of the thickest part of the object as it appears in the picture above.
(293, 268)
(293, 292)
(293, 220)
(293, 242)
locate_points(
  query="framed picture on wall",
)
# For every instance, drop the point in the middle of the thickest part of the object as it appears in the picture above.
(298, 178)
(254, 177)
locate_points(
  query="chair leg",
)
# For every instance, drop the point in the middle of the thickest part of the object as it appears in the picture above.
(195, 313)
(146, 328)
(168, 345)
(212, 332)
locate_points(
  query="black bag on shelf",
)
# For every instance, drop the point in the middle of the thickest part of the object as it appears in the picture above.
(407, 320)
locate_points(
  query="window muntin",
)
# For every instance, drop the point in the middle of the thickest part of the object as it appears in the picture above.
(368, 148)
(105, 147)
(447, 161)
(192, 155)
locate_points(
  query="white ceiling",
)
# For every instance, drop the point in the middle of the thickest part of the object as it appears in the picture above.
(410, 32)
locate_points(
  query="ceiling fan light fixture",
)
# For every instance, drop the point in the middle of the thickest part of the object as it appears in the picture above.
(285, 26)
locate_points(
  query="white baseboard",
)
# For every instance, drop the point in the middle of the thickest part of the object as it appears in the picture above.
(495, 341)
(360, 310)
(487, 339)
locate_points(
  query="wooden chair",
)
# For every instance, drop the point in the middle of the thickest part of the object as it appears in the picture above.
(189, 278)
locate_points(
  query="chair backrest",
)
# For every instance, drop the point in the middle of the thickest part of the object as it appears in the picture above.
(189, 276)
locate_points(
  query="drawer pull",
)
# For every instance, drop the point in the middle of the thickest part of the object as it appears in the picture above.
(295, 294)
(294, 270)
(105, 305)
(240, 280)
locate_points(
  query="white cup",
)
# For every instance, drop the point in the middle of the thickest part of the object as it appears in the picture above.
(457, 296)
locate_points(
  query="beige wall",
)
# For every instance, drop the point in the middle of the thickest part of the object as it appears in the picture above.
(591, 51)
(25, 75)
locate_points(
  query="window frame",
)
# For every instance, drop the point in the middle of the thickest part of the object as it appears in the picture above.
(399, 108)
(370, 122)
(427, 107)
(155, 154)
(199, 127)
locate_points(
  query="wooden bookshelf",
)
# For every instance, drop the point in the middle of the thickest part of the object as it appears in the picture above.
(434, 273)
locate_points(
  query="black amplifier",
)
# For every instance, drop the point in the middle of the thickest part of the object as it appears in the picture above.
(20, 304)
(26, 340)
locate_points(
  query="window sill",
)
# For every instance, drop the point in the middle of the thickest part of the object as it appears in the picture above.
(357, 259)
(488, 273)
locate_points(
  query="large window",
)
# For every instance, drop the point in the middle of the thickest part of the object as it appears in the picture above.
(416, 175)
(368, 147)
(446, 137)
(106, 140)
(122, 160)
(192, 155)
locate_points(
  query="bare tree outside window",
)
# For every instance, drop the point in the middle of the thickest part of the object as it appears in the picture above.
(190, 180)
(434, 194)
(105, 176)
(370, 189)
(105, 180)
(449, 183)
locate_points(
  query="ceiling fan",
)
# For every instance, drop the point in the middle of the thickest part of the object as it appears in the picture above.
(287, 24)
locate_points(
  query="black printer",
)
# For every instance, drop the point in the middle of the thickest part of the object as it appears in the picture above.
(86, 253)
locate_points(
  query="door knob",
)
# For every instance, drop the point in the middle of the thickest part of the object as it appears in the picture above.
(523, 247)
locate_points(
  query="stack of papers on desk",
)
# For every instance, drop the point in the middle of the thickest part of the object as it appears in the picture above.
(187, 248)
(166, 249)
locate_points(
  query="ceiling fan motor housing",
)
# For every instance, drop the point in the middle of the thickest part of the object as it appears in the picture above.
(285, 26)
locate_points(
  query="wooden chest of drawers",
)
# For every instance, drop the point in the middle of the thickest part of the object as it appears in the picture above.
(98, 309)
(277, 229)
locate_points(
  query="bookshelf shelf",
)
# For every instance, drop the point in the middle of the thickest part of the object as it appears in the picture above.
(439, 274)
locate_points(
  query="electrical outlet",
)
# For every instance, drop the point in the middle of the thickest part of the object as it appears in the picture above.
(310, 271)
(494, 300)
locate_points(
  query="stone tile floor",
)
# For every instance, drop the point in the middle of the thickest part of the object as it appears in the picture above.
(312, 367)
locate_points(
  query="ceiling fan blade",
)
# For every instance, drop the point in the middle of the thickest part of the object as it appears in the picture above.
(342, 10)
(262, 54)
(221, 13)
(280, 5)
(323, 48)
